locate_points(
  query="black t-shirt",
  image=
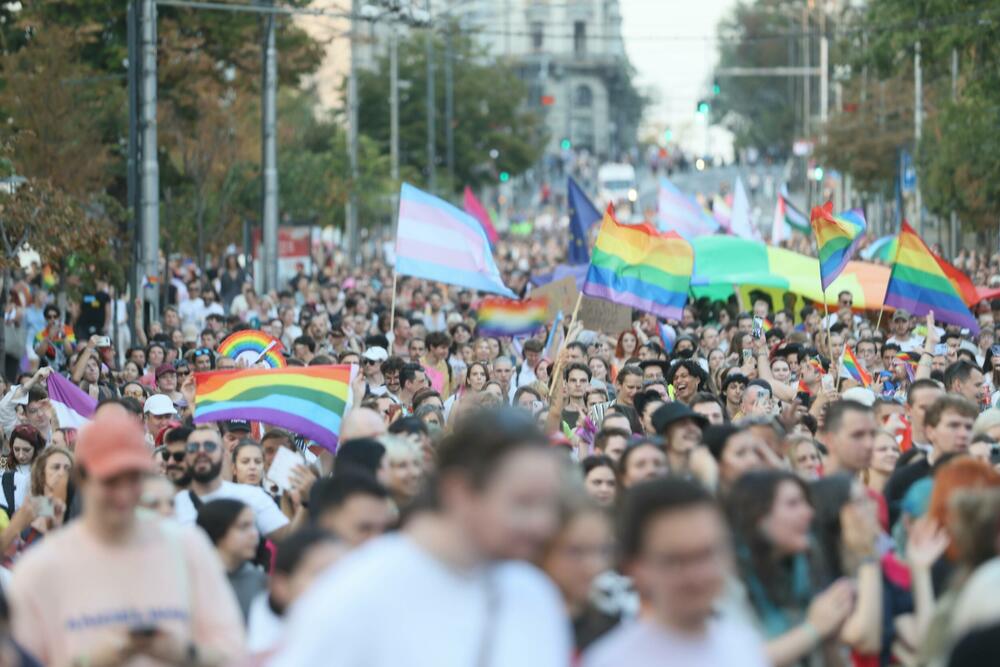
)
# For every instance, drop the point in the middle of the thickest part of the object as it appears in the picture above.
(900, 482)
(93, 312)
(979, 647)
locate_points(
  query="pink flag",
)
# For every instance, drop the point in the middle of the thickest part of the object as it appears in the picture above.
(476, 210)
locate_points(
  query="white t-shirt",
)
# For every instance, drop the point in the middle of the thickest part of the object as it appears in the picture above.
(264, 627)
(266, 512)
(391, 603)
(914, 342)
(649, 644)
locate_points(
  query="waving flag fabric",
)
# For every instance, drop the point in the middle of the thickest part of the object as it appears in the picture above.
(582, 216)
(637, 266)
(676, 212)
(309, 401)
(837, 238)
(474, 208)
(74, 407)
(505, 317)
(740, 223)
(851, 368)
(436, 241)
(786, 219)
(919, 284)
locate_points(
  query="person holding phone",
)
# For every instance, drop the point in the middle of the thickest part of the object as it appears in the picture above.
(158, 588)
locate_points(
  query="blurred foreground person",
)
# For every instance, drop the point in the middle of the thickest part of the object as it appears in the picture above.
(117, 587)
(674, 543)
(447, 591)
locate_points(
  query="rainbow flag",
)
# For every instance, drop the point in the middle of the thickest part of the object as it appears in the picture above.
(253, 346)
(837, 238)
(309, 401)
(766, 325)
(637, 266)
(909, 363)
(851, 368)
(436, 241)
(505, 317)
(919, 284)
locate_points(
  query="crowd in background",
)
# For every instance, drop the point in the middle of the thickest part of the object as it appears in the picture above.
(709, 491)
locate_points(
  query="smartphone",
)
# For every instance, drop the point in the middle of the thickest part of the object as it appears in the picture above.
(940, 349)
(996, 350)
(758, 327)
(103, 341)
(43, 507)
(827, 382)
(747, 354)
(143, 631)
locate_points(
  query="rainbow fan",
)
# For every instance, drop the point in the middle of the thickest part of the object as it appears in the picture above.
(253, 346)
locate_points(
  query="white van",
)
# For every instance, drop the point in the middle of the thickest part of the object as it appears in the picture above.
(616, 183)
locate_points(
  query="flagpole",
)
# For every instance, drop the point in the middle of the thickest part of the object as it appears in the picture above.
(558, 367)
(878, 324)
(392, 307)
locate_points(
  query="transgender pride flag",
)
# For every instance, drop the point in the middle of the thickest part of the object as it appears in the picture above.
(437, 241)
(73, 406)
(676, 212)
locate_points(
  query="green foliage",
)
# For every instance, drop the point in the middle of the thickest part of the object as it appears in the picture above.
(760, 111)
(489, 112)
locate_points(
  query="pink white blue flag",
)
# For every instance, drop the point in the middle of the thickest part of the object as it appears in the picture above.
(677, 212)
(437, 241)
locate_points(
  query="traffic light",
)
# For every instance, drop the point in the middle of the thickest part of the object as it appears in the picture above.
(566, 144)
(704, 107)
(716, 88)
(504, 176)
(818, 174)
(668, 135)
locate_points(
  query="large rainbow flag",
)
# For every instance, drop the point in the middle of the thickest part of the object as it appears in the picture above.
(837, 238)
(637, 266)
(919, 284)
(309, 401)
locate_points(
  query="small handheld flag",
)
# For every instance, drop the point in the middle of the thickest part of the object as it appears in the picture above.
(851, 368)
(74, 407)
(505, 317)
(837, 238)
(253, 346)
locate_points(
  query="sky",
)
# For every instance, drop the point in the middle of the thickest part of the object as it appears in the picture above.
(666, 42)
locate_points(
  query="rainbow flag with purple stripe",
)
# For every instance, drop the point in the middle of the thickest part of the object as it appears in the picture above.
(920, 284)
(851, 368)
(437, 241)
(637, 266)
(837, 238)
(505, 317)
(309, 401)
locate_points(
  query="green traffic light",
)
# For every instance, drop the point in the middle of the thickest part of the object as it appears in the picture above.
(504, 177)
(818, 174)
(565, 144)
(703, 107)
(668, 135)
(716, 89)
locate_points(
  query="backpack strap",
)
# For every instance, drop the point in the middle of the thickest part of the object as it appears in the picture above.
(7, 482)
(195, 500)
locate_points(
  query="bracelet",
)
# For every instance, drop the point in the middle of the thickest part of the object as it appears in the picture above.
(812, 632)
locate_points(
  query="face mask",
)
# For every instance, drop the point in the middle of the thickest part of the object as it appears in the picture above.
(684, 354)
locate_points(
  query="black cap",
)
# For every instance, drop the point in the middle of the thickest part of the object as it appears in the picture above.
(231, 425)
(671, 413)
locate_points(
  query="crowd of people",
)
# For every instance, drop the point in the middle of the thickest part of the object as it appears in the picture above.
(716, 490)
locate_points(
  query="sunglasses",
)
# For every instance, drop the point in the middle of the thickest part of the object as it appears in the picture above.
(207, 447)
(184, 372)
(369, 362)
(176, 456)
(202, 351)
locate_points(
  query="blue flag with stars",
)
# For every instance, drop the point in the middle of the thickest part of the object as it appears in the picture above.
(582, 216)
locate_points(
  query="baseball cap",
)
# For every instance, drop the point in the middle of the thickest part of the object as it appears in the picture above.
(112, 444)
(671, 413)
(231, 425)
(901, 314)
(159, 405)
(859, 395)
(376, 354)
(163, 369)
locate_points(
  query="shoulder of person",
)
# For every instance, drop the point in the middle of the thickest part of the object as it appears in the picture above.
(615, 648)
(44, 558)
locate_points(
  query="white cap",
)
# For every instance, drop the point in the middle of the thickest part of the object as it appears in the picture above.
(376, 354)
(859, 395)
(159, 405)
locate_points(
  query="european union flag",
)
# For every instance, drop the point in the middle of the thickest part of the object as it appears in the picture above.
(582, 216)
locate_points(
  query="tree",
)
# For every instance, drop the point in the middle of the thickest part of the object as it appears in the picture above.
(489, 111)
(761, 111)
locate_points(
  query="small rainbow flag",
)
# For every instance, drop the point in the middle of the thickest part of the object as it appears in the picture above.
(505, 317)
(766, 325)
(920, 284)
(851, 368)
(253, 346)
(637, 266)
(309, 401)
(837, 238)
(909, 363)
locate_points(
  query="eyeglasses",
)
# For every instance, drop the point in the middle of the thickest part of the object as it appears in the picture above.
(52, 318)
(176, 456)
(185, 372)
(207, 447)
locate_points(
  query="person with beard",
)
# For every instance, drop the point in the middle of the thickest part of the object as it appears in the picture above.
(204, 454)
(174, 453)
